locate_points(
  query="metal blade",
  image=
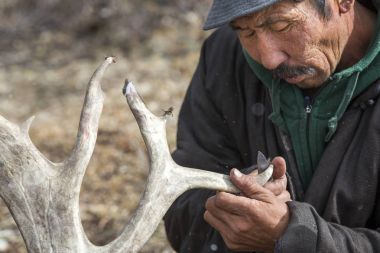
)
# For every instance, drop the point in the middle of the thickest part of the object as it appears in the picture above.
(262, 162)
(249, 169)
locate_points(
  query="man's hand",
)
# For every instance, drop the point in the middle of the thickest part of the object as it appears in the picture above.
(255, 220)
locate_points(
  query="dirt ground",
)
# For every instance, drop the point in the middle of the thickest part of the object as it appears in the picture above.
(48, 51)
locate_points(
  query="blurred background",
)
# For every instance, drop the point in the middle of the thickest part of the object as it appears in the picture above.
(48, 51)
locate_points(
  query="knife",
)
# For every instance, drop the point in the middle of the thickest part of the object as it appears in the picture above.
(263, 167)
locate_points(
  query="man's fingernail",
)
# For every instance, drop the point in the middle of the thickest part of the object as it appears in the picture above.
(237, 173)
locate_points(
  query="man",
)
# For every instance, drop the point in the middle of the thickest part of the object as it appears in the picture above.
(290, 78)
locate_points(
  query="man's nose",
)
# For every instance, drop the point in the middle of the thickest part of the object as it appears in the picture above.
(269, 52)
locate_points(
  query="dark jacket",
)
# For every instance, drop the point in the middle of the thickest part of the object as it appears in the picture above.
(224, 123)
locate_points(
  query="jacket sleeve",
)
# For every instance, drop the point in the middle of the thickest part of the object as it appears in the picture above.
(204, 142)
(308, 232)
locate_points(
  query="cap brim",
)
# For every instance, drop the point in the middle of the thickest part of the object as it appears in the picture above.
(222, 13)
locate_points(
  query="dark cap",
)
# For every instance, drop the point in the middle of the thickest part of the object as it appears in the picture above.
(224, 11)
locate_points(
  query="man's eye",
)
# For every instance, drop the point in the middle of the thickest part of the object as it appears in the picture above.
(280, 26)
(246, 33)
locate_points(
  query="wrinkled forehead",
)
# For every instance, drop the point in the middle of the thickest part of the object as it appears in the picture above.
(279, 10)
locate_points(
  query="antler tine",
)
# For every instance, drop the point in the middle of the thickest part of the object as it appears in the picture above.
(89, 122)
(152, 129)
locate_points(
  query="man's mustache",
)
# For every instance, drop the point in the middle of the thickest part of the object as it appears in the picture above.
(286, 71)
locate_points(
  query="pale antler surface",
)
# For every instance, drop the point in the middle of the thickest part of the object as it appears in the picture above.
(43, 197)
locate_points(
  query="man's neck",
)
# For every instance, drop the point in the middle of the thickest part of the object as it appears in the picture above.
(364, 29)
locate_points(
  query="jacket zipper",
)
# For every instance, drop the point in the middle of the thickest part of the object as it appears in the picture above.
(308, 106)
(308, 103)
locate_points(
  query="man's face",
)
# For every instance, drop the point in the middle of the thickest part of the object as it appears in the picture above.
(294, 41)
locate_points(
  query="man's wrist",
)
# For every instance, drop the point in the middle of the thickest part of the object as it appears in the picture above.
(302, 227)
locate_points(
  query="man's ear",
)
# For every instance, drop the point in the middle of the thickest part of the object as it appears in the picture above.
(345, 5)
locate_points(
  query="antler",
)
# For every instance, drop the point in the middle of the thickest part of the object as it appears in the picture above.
(43, 197)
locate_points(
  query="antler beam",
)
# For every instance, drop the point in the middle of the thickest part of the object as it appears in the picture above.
(43, 197)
